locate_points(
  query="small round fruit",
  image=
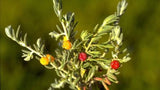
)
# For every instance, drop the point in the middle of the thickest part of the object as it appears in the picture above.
(82, 56)
(67, 45)
(50, 57)
(115, 64)
(46, 59)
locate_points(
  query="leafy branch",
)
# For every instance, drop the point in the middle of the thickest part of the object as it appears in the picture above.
(67, 22)
(109, 25)
(27, 54)
(83, 61)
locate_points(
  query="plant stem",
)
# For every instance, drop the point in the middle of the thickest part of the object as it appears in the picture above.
(64, 28)
(29, 48)
(90, 43)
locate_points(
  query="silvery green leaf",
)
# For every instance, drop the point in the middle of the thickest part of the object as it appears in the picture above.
(108, 46)
(26, 51)
(95, 28)
(25, 39)
(110, 75)
(125, 59)
(112, 71)
(13, 35)
(103, 65)
(117, 31)
(55, 34)
(49, 67)
(39, 42)
(85, 65)
(119, 40)
(112, 80)
(110, 19)
(74, 44)
(28, 56)
(17, 32)
(105, 29)
(94, 52)
(90, 74)
(58, 84)
(42, 49)
(124, 50)
(62, 65)
(117, 73)
(35, 47)
(121, 7)
(57, 7)
(69, 17)
(102, 46)
(94, 39)
(117, 35)
(8, 31)
(57, 72)
(62, 74)
(114, 55)
(85, 35)
(59, 29)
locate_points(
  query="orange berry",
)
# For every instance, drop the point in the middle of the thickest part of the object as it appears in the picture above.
(50, 57)
(45, 60)
(67, 45)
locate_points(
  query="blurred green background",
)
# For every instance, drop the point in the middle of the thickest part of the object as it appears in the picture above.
(141, 27)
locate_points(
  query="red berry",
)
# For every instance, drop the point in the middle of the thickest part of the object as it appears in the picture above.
(115, 64)
(82, 56)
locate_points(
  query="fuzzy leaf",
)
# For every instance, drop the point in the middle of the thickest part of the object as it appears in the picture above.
(85, 35)
(17, 32)
(39, 42)
(8, 31)
(110, 19)
(103, 46)
(105, 29)
(94, 39)
(112, 77)
(86, 65)
(55, 34)
(25, 39)
(57, 7)
(103, 65)
(28, 56)
(58, 84)
(121, 7)
(125, 59)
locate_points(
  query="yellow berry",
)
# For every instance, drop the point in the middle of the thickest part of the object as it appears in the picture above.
(67, 45)
(45, 60)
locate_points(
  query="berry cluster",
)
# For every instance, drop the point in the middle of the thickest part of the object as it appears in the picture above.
(84, 61)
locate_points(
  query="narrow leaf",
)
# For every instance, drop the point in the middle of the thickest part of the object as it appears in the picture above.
(17, 32)
(8, 31)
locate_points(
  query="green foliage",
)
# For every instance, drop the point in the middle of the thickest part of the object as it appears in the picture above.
(80, 74)
(27, 54)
